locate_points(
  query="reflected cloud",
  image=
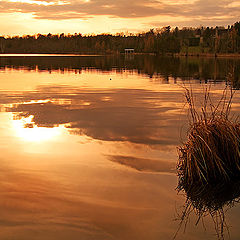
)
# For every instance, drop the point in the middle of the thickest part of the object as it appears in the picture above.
(143, 164)
(125, 115)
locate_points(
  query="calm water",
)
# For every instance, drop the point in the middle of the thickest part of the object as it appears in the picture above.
(88, 145)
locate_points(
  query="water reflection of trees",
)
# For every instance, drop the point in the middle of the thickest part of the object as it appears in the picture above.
(204, 69)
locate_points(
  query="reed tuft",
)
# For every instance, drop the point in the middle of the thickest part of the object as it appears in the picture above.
(209, 161)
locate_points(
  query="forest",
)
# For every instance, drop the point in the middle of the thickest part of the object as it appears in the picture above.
(185, 41)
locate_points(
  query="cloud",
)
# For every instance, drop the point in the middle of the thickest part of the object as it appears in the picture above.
(201, 9)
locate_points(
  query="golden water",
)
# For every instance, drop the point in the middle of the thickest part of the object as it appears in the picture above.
(89, 152)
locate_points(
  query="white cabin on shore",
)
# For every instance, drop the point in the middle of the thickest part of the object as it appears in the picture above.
(129, 50)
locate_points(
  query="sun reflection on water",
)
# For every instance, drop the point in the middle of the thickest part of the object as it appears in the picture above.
(27, 131)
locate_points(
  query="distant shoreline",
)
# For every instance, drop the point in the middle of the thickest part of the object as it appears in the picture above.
(48, 55)
(75, 54)
(215, 55)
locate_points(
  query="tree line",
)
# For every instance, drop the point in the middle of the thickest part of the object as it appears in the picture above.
(159, 41)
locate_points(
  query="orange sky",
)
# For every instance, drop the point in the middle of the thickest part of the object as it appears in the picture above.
(19, 17)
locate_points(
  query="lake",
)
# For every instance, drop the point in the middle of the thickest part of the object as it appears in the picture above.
(89, 145)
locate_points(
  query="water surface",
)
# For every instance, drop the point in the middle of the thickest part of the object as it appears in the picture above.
(89, 145)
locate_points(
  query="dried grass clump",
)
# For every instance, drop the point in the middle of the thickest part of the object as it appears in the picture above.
(209, 161)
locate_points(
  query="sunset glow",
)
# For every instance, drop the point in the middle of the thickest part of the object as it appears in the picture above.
(45, 3)
(113, 113)
(93, 17)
